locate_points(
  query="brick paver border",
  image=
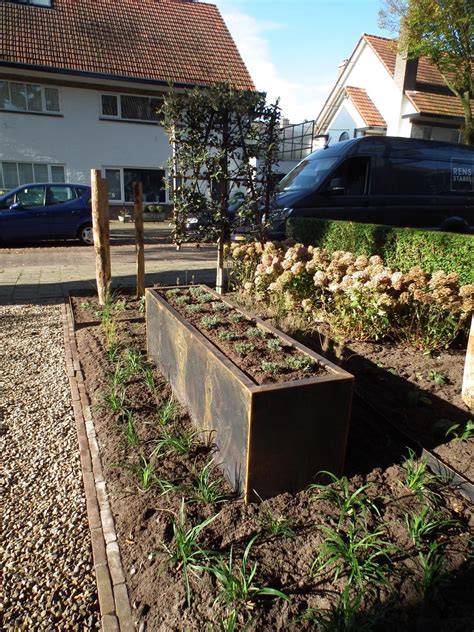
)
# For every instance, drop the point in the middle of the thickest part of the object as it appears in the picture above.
(114, 603)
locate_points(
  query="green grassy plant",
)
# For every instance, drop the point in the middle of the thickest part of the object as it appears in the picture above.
(180, 443)
(344, 615)
(185, 551)
(461, 434)
(116, 399)
(167, 412)
(424, 524)
(141, 304)
(206, 487)
(349, 504)
(432, 570)
(130, 430)
(417, 478)
(236, 317)
(359, 553)
(149, 379)
(145, 472)
(133, 360)
(274, 525)
(236, 582)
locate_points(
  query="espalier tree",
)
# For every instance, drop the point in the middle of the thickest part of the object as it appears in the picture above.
(223, 140)
(443, 32)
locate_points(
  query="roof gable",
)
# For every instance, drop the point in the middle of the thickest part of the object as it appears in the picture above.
(365, 106)
(160, 40)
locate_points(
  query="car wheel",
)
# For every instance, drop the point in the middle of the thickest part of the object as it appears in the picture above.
(86, 235)
(455, 225)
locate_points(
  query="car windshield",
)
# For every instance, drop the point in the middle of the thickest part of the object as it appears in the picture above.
(307, 174)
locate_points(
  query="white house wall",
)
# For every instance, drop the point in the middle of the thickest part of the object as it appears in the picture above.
(346, 119)
(79, 139)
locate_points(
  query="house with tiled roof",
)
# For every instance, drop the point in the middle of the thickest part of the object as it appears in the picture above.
(81, 81)
(381, 92)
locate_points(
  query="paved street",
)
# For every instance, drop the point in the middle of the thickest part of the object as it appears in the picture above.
(49, 270)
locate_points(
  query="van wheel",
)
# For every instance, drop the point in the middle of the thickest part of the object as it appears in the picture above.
(86, 235)
(455, 225)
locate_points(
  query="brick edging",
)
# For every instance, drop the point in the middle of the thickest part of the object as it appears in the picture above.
(114, 603)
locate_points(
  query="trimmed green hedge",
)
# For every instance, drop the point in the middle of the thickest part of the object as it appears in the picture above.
(400, 248)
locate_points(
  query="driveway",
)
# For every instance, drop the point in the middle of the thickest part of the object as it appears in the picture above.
(51, 269)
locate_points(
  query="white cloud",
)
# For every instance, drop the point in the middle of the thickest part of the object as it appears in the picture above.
(299, 100)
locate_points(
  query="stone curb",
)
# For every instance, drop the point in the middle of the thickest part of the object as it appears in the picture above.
(114, 603)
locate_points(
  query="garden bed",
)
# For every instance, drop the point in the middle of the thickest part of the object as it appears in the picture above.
(290, 529)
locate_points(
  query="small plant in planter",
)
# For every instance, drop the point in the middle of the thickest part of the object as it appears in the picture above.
(301, 363)
(236, 317)
(210, 322)
(271, 367)
(274, 345)
(255, 332)
(227, 336)
(195, 308)
(242, 348)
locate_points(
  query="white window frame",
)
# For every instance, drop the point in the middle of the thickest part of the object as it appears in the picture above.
(48, 165)
(122, 182)
(119, 117)
(43, 88)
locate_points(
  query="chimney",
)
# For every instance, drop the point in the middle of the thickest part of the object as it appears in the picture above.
(405, 72)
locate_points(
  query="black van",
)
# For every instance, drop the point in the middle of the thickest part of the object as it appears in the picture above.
(381, 180)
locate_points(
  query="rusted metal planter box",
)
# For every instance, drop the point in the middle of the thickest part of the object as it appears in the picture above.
(272, 438)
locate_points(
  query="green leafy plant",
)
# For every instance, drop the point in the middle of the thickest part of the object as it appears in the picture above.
(437, 378)
(141, 304)
(206, 487)
(359, 553)
(210, 322)
(185, 551)
(461, 434)
(242, 348)
(227, 335)
(301, 362)
(133, 361)
(236, 317)
(236, 582)
(271, 367)
(255, 332)
(195, 308)
(174, 292)
(217, 306)
(182, 300)
(349, 503)
(274, 344)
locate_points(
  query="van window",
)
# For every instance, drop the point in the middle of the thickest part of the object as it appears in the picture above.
(307, 174)
(411, 176)
(354, 173)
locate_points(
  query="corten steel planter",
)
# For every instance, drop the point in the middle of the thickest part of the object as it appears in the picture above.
(272, 438)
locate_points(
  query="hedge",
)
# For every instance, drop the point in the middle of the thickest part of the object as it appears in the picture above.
(400, 248)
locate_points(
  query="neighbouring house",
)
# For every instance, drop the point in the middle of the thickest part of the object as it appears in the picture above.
(381, 92)
(81, 80)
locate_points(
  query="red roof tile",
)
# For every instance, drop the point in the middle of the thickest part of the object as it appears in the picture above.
(432, 103)
(365, 106)
(176, 41)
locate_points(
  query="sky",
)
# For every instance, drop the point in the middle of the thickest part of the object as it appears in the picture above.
(292, 48)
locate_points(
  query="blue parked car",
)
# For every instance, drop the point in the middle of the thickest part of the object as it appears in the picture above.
(47, 211)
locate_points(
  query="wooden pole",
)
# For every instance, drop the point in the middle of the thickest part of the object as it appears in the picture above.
(139, 239)
(468, 379)
(100, 227)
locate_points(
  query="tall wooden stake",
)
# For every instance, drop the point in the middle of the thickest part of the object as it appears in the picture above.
(139, 238)
(468, 379)
(100, 227)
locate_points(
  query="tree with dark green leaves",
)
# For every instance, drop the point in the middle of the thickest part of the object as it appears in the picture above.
(443, 32)
(224, 140)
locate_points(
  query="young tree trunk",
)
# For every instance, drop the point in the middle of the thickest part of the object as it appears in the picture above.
(223, 212)
(139, 238)
(100, 227)
(468, 380)
(468, 130)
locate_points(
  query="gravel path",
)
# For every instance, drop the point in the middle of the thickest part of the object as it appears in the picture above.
(49, 580)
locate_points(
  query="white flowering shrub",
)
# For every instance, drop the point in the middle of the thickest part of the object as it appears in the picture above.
(359, 297)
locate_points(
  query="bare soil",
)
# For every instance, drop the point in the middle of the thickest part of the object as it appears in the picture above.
(144, 521)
